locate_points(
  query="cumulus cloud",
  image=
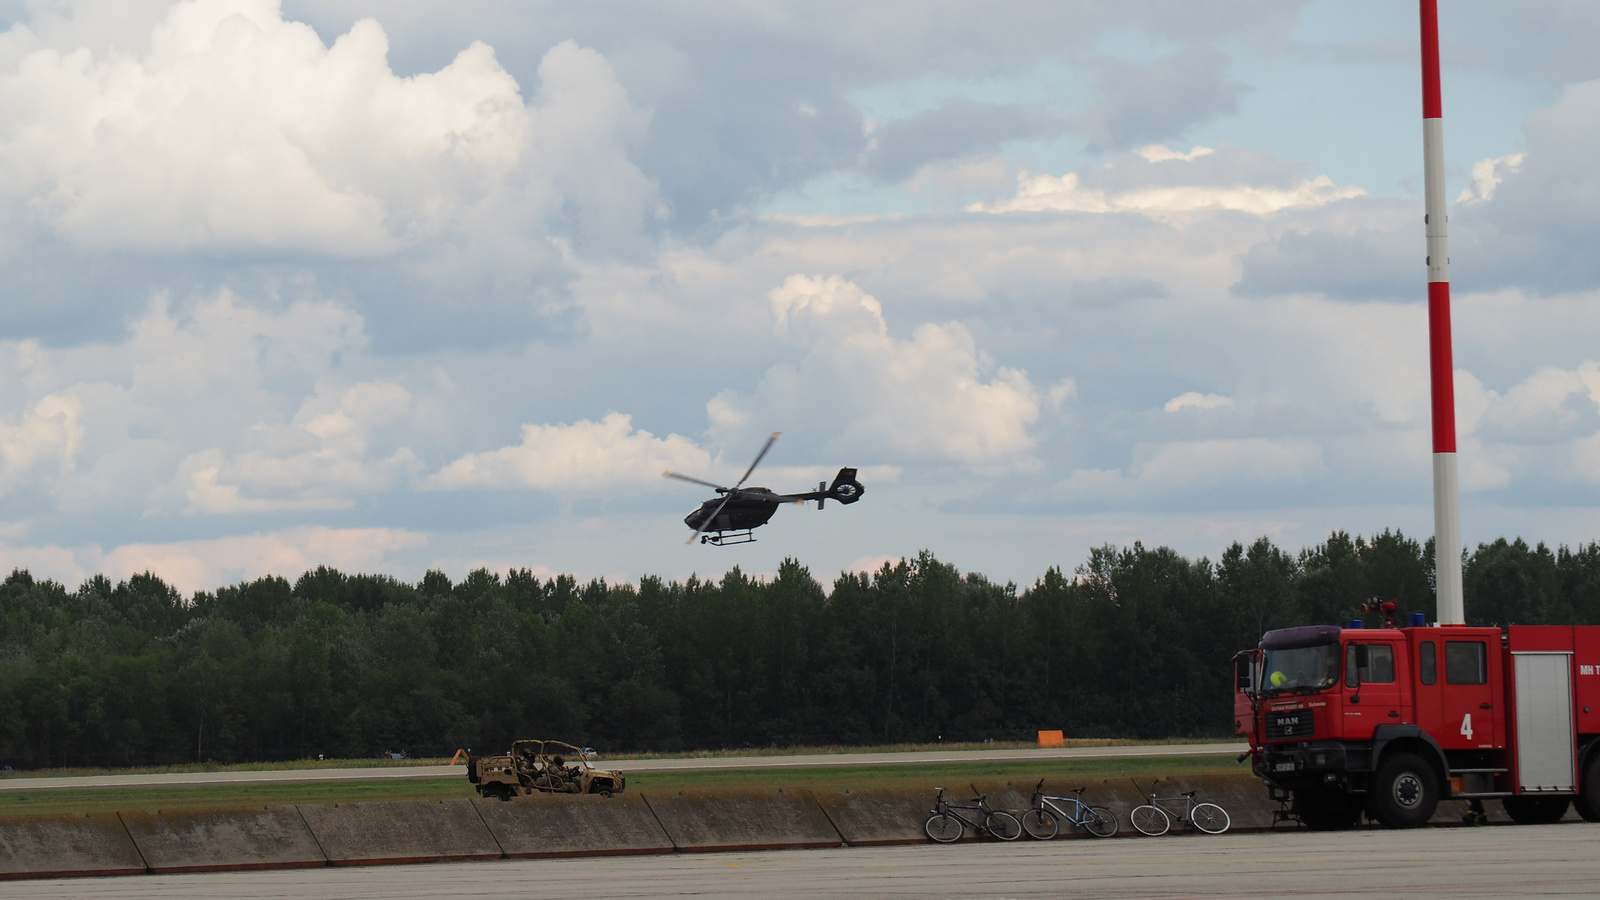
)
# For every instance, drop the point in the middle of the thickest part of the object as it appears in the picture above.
(1197, 400)
(582, 457)
(320, 460)
(229, 134)
(957, 129)
(1159, 181)
(1174, 468)
(1549, 405)
(1161, 99)
(1360, 264)
(43, 444)
(1487, 175)
(493, 216)
(205, 564)
(238, 130)
(242, 132)
(219, 408)
(1532, 218)
(932, 397)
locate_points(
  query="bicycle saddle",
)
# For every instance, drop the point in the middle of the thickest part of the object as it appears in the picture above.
(1079, 791)
(1190, 794)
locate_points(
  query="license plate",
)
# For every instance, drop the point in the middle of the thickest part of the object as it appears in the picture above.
(1283, 767)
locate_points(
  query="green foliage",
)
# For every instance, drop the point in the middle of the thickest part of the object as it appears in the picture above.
(1134, 643)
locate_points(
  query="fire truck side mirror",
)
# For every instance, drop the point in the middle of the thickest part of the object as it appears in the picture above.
(1244, 668)
(1357, 659)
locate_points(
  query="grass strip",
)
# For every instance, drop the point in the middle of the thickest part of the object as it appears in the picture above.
(954, 776)
(1065, 773)
(386, 762)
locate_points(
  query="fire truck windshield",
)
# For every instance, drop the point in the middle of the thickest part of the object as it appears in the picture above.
(1300, 668)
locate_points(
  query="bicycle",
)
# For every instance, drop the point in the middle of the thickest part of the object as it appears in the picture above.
(1154, 819)
(946, 825)
(1044, 819)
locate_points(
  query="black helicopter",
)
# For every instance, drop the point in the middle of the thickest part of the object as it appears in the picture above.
(731, 518)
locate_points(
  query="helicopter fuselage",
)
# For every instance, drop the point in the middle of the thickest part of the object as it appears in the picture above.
(745, 509)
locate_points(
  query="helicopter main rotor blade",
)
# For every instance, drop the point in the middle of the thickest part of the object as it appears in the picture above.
(727, 493)
(708, 484)
(764, 448)
(704, 526)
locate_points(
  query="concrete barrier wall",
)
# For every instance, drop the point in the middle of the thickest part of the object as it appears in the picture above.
(742, 820)
(583, 825)
(358, 834)
(556, 825)
(876, 818)
(59, 846)
(275, 837)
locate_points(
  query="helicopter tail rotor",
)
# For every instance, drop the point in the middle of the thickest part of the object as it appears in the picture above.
(845, 488)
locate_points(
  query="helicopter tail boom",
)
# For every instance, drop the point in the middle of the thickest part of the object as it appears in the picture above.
(845, 489)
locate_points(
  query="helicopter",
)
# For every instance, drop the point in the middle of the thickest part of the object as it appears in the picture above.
(731, 518)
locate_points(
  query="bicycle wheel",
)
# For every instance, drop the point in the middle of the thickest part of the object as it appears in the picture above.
(943, 828)
(1150, 820)
(1210, 818)
(1003, 825)
(1040, 825)
(1101, 822)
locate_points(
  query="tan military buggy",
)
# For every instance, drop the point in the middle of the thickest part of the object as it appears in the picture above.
(550, 767)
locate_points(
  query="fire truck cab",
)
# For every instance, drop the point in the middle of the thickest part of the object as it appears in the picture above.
(1389, 721)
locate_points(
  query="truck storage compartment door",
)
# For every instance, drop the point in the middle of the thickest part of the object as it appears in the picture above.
(1471, 687)
(1545, 748)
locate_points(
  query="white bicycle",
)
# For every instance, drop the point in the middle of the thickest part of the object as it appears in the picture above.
(1155, 818)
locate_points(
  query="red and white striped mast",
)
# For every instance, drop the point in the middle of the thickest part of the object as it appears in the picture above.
(1446, 486)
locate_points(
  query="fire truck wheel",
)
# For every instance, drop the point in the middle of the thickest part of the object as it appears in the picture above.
(1584, 809)
(1404, 792)
(1327, 810)
(1535, 810)
(1588, 802)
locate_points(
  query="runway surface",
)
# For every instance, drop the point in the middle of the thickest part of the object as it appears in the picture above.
(627, 765)
(1506, 861)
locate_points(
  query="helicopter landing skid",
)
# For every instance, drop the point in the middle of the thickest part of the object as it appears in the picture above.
(728, 538)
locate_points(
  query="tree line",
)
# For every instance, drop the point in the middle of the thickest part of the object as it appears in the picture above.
(1135, 642)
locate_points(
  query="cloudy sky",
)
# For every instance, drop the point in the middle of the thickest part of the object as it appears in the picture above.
(400, 285)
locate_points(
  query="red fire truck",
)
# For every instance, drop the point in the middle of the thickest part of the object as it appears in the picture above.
(1389, 721)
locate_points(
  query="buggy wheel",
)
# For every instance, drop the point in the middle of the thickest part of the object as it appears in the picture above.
(943, 828)
(1210, 818)
(1150, 820)
(1102, 822)
(1003, 825)
(1040, 825)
